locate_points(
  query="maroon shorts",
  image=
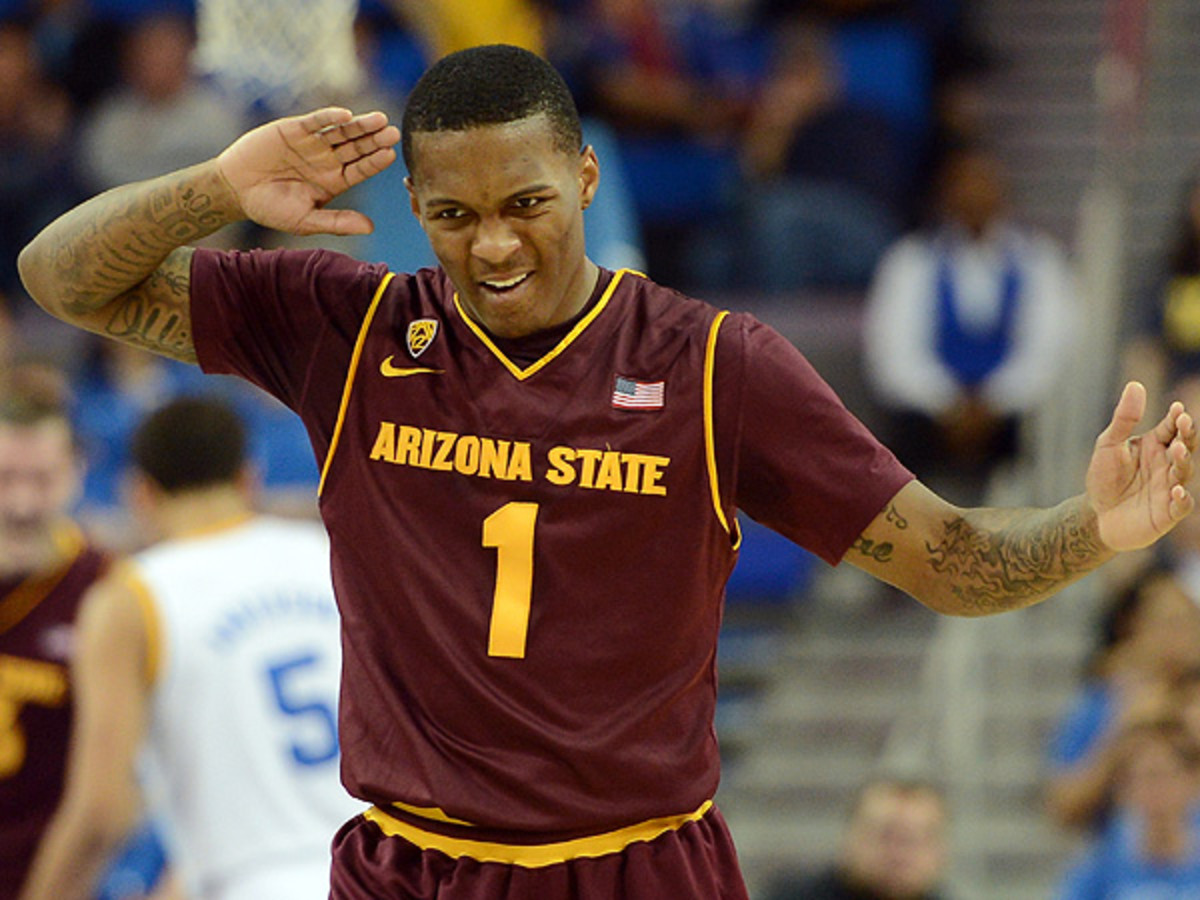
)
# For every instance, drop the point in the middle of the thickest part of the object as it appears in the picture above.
(379, 857)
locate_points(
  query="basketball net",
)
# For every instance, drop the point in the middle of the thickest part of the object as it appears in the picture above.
(285, 56)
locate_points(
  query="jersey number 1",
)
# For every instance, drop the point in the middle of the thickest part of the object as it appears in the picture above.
(510, 530)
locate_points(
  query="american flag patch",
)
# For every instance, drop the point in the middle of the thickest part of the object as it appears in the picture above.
(629, 393)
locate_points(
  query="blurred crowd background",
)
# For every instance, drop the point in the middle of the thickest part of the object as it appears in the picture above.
(976, 218)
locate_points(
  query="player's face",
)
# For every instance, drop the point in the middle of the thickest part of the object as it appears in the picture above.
(39, 477)
(503, 209)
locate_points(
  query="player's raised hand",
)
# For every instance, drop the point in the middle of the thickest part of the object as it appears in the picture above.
(284, 172)
(1138, 485)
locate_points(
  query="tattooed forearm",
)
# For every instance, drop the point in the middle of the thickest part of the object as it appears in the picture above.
(157, 316)
(106, 265)
(112, 243)
(1000, 560)
(120, 264)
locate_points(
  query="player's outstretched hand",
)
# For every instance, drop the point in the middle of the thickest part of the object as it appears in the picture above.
(1138, 485)
(284, 172)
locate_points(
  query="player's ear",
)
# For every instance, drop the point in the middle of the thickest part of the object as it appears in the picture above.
(413, 203)
(139, 494)
(249, 482)
(589, 176)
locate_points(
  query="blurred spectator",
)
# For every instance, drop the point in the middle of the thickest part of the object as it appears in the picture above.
(76, 44)
(161, 117)
(1156, 850)
(37, 173)
(1148, 637)
(675, 79)
(967, 325)
(894, 848)
(906, 58)
(827, 179)
(860, 99)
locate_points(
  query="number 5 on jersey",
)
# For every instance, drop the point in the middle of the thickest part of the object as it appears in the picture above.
(510, 531)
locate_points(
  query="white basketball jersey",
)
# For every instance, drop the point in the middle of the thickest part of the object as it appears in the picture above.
(242, 754)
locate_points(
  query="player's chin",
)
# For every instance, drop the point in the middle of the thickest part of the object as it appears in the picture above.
(20, 552)
(510, 327)
(508, 317)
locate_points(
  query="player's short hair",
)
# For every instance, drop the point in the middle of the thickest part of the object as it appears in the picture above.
(490, 85)
(32, 394)
(190, 443)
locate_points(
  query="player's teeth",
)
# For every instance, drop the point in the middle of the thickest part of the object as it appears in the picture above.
(505, 284)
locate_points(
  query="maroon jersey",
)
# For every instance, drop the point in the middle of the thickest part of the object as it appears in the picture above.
(530, 558)
(36, 619)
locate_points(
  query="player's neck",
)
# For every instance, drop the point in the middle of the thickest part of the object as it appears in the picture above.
(584, 290)
(202, 511)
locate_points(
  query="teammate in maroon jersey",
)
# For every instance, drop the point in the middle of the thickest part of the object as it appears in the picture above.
(45, 567)
(530, 469)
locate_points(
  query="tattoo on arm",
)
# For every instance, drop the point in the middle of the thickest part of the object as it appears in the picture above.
(1020, 558)
(881, 551)
(157, 315)
(118, 239)
(892, 516)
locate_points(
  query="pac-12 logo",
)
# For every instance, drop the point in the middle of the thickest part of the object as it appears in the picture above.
(420, 335)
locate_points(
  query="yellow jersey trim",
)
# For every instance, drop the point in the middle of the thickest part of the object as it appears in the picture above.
(151, 621)
(710, 440)
(430, 812)
(69, 540)
(516, 371)
(69, 543)
(533, 856)
(346, 388)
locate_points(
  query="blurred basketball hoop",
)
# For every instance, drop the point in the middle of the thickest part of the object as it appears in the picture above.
(281, 56)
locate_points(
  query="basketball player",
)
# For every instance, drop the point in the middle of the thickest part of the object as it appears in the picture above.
(45, 566)
(530, 472)
(216, 652)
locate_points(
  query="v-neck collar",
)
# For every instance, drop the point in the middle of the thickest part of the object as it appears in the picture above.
(521, 373)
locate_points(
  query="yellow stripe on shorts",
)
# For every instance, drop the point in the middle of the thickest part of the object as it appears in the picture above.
(533, 856)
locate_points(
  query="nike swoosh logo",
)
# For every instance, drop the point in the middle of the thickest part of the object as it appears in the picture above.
(387, 370)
